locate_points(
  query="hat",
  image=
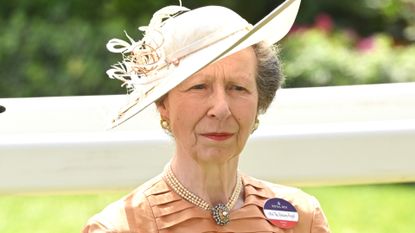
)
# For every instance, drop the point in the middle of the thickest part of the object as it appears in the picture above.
(179, 42)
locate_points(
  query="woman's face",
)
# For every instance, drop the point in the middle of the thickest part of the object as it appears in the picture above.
(212, 113)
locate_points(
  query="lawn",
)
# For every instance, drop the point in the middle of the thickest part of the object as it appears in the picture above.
(350, 209)
(368, 209)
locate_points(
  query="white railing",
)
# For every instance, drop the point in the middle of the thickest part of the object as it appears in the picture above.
(309, 136)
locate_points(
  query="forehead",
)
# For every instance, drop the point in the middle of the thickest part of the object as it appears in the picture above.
(242, 64)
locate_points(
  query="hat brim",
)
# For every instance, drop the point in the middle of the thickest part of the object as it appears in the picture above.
(270, 29)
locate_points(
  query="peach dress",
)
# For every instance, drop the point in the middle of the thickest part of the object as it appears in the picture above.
(155, 207)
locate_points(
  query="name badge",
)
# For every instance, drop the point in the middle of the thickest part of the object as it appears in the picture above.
(281, 213)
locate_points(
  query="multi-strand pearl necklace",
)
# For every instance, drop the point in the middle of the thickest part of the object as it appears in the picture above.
(220, 212)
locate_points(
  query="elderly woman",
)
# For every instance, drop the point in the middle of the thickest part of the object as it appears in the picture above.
(210, 74)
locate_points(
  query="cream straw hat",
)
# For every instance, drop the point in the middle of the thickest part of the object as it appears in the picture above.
(179, 42)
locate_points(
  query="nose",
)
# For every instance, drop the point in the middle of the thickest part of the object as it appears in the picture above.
(219, 105)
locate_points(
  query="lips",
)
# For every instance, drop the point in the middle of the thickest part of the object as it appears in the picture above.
(218, 136)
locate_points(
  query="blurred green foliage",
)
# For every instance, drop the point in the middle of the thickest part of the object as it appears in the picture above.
(353, 42)
(316, 58)
(58, 47)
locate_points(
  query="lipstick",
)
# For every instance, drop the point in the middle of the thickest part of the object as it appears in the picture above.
(218, 136)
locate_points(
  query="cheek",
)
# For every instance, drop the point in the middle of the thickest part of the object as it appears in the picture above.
(249, 105)
(184, 118)
(246, 114)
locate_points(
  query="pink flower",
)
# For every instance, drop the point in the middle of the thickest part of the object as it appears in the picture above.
(365, 44)
(298, 28)
(324, 22)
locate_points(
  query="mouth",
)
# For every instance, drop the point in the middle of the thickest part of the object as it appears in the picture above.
(218, 136)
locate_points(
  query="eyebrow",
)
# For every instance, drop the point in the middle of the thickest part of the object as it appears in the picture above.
(238, 75)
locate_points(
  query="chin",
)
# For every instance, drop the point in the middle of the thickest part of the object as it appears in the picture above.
(218, 156)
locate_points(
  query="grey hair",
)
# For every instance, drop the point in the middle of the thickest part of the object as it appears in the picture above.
(269, 75)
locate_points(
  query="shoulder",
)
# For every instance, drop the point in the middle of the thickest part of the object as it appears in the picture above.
(271, 190)
(295, 195)
(131, 213)
(311, 216)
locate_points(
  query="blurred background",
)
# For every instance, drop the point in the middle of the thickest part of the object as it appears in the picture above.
(54, 48)
(57, 48)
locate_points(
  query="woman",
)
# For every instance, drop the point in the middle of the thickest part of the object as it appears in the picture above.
(210, 74)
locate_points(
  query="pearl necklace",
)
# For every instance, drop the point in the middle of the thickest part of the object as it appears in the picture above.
(220, 212)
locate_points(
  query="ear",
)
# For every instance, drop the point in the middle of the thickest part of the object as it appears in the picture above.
(163, 107)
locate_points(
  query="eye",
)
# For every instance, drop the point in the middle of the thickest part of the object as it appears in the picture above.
(238, 88)
(198, 87)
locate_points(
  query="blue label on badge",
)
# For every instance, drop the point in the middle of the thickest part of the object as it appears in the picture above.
(281, 213)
